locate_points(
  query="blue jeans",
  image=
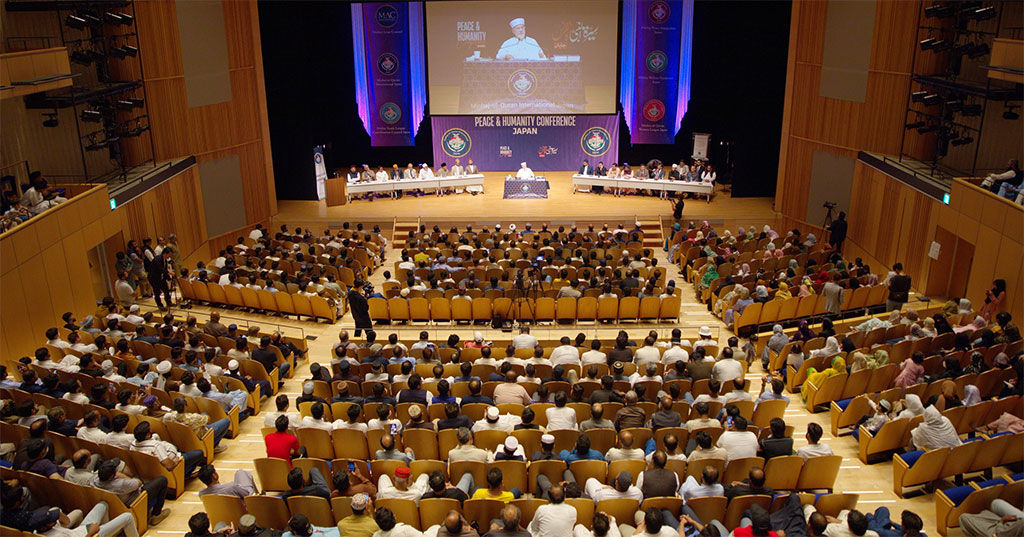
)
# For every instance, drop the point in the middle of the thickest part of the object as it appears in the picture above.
(1008, 191)
(880, 522)
(282, 370)
(193, 459)
(220, 429)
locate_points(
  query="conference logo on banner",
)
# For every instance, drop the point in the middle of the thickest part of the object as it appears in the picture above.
(657, 61)
(390, 113)
(387, 16)
(320, 173)
(522, 83)
(659, 12)
(595, 141)
(654, 110)
(456, 142)
(387, 64)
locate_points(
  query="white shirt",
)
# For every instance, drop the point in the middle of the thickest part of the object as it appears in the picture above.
(739, 444)
(310, 421)
(599, 492)
(637, 377)
(121, 440)
(814, 450)
(93, 434)
(506, 422)
(646, 354)
(158, 448)
(401, 529)
(566, 355)
(613, 529)
(525, 49)
(376, 423)
(736, 395)
(524, 173)
(381, 176)
(553, 520)
(270, 417)
(675, 354)
(594, 357)
(426, 173)
(255, 234)
(342, 424)
(79, 398)
(387, 489)
(524, 341)
(84, 348)
(704, 342)
(727, 369)
(59, 343)
(561, 418)
(619, 454)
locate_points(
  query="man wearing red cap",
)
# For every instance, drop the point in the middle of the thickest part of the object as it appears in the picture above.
(401, 488)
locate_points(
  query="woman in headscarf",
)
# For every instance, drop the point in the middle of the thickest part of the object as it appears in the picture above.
(987, 339)
(964, 307)
(806, 288)
(803, 332)
(972, 395)
(977, 365)
(775, 343)
(744, 270)
(952, 369)
(847, 345)
(821, 277)
(916, 332)
(948, 398)
(771, 233)
(778, 253)
(878, 359)
(811, 240)
(738, 306)
(793, 265)
(977, 324)
(911, 371)
(936, 431)
(858, 362)
(816, 378)
(767, 253)
(941, 325)
(710, 275)
(911, 406)
(705, 227)
(827, 328)
(994, 299)
(949, 308)
(831, 347)
(761, 294)
(1007, 423)
(910, 316)
(928, 327)
(796, 357)
(783, 292)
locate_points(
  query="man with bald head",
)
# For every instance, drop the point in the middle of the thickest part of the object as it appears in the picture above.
(456, 526)
(665, 416)
(621, 487)
(630, 415)
(625, 449)
(596, 420)
(754, 484)
(708, 486)
(508, 526)
(556, 518)
(658, 481)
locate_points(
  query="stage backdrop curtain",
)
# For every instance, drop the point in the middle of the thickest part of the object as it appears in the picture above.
(545, 143)
(388, 63)
(655, 70)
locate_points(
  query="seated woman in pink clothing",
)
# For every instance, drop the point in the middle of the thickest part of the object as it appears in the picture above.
(994, 299)
(911, 371)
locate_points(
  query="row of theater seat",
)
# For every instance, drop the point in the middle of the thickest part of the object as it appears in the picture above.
(543, 309)
(298, 304)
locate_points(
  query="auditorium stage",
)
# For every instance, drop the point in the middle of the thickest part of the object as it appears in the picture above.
(561, 205)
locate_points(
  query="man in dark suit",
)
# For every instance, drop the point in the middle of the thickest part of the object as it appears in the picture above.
(360, 308)
(160, 276)
(837, 232)
(586, 168)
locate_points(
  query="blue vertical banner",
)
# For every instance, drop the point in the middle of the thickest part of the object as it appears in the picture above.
(390, 88)
(655, 75)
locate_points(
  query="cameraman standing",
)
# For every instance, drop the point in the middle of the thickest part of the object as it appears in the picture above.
(837, 232)
(360, 308)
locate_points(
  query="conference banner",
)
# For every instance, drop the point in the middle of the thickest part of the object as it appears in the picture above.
(658, 40)
(320, 172)
(544, 142)
(386, 60)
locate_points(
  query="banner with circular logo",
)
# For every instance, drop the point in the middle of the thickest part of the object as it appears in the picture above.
(657, 61)
(456, 142)
(522, 83)
(659, 12)
(654, 110)
(387, 16)
(390, 113)
(387, 64)
(595, 141)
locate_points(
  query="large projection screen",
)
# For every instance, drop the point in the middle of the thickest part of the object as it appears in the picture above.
(561, 57)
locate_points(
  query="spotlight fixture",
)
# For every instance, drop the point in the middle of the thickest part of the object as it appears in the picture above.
(977, 50)
(91, 116)
(983, 13)
(937, 11)
(96, 55)
(126, 19)
(942, 45)
(962, 141)
(1010, 113)
(928, 44)
(130, 50)
(955, 104)
(137, 102)
(918, 96)
(118, 52)
(915, 125)
(112, 18)
(971, 110)
(927, 128)
(125, 105)
(931, 100)
(80, 57)
(94, 145)
(74, 21)
(91, 20)
(51, 120)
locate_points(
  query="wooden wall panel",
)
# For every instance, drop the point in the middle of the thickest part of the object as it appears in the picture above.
(238, 127)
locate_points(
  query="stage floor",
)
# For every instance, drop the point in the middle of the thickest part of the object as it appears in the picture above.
(561, 205)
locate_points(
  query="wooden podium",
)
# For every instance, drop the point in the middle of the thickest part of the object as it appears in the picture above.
(337, 191)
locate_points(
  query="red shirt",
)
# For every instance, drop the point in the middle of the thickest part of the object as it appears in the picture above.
(748, 531)
(280, 445)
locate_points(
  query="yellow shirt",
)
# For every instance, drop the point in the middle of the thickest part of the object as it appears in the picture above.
(420, 257)
(357, 526)
(485, 494)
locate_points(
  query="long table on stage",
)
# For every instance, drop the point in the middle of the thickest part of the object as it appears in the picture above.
(662, 185)
(522, 87)
(437, 183)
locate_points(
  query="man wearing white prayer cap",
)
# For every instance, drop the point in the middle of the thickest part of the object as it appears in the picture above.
(520, 47)
(524, 172)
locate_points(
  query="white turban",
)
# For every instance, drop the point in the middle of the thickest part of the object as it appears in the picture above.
(516, 22)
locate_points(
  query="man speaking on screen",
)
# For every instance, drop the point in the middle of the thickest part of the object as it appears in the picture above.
(520, 47)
